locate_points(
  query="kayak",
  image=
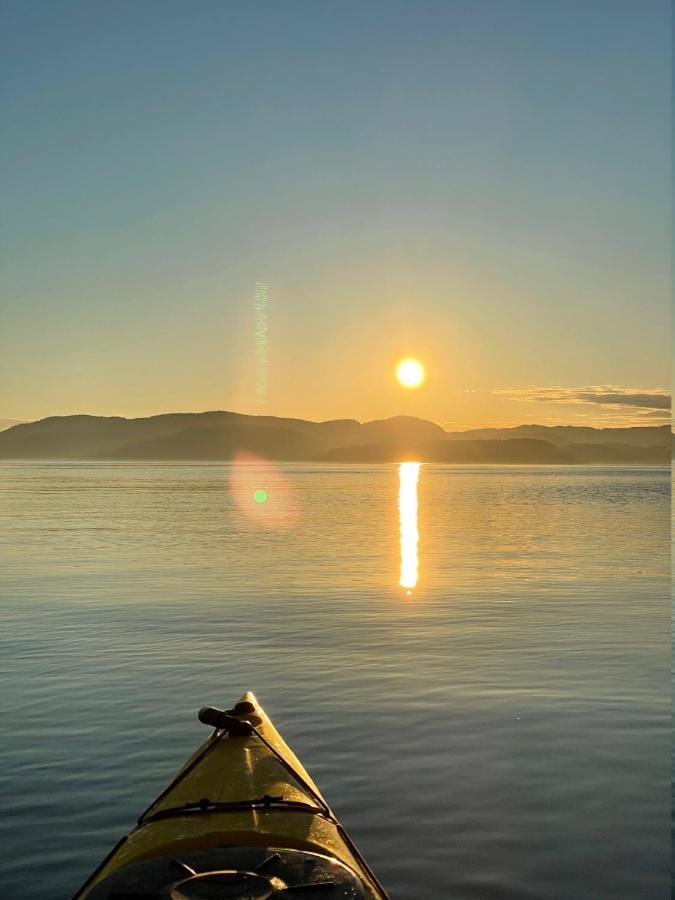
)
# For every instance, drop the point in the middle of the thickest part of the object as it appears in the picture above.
(241, 819)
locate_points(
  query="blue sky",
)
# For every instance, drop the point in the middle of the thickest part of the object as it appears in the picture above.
(484, 185)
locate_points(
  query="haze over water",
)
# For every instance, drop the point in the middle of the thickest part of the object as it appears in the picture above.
(501, 732)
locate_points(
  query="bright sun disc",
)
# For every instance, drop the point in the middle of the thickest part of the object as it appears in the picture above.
(410, 372)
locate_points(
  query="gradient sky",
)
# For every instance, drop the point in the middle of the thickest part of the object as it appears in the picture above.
(483, 184)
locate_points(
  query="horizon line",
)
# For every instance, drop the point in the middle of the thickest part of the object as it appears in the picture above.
(10, 422)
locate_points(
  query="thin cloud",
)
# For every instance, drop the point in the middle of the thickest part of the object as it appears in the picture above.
(642, 400)
(655, 414)
(610, 396)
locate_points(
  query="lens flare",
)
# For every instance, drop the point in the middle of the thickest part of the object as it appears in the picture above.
(261, 329)
(274, 506)
(408, 474)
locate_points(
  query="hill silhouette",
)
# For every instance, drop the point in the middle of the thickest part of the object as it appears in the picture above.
(562, 435)
(220, 435)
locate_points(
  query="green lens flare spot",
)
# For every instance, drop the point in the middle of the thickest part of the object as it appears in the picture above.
(260, 496)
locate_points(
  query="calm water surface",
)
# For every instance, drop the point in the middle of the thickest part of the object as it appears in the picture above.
(500, 732)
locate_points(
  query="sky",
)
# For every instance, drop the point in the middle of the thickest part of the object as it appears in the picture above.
(263, 206)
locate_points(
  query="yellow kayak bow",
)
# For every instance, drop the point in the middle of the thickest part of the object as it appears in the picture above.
(241, 819)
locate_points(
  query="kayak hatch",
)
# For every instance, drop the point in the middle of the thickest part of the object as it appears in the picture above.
(241, 819)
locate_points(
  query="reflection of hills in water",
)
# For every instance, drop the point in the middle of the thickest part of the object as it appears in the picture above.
(219, 435)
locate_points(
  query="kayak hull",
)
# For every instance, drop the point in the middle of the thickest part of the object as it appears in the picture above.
(238, 790)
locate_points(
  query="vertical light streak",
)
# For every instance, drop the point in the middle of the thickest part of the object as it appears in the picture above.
(261, 296)
(408, 474)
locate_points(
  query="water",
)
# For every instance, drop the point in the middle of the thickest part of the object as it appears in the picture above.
(502, 732)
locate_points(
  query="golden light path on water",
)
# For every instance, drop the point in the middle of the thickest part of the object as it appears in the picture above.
(408, 474)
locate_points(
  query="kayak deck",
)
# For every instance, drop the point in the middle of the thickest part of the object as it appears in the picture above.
(242, 799)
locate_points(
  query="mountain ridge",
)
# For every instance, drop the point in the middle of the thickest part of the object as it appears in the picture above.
(219, 435)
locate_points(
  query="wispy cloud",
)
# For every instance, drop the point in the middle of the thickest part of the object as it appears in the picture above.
(605, 406)
(655, 414)
(603, 395)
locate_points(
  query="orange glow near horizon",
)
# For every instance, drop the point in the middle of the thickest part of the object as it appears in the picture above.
(408, 474)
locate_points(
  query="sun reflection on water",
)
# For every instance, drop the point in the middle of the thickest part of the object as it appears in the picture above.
(408, 474)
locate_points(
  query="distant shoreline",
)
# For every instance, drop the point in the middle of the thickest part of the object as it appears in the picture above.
(314, 462)
(218, 437)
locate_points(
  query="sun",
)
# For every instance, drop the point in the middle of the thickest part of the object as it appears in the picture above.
(410, 372)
